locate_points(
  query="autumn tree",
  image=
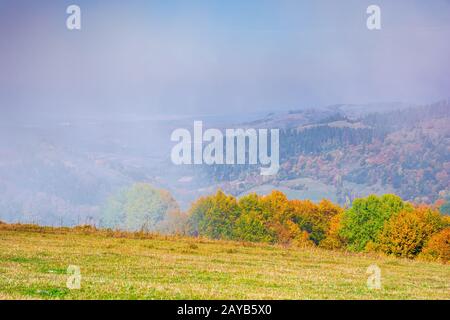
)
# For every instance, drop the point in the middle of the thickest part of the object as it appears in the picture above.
(213, 216)
(406, 233)
(438, 247)
(140, 207)
(333, 239)
(281, 219)
(252, 223)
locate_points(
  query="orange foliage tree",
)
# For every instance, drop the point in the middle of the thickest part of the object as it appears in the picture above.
(333, 239)
(406, 233)
(438, 247)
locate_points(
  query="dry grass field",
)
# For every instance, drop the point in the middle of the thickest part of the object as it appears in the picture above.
(34, 262)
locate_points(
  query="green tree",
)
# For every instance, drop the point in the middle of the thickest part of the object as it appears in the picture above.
(364, 221)
(251, 225)
(140, 207)
(213, 216)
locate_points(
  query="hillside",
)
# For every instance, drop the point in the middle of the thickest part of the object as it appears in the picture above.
(337, 155)
(34, 260)
(61, 171)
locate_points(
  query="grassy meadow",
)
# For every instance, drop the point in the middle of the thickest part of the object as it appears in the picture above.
(34, 262)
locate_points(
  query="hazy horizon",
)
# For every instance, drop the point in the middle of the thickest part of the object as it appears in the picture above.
(211, 57)
(88, 112)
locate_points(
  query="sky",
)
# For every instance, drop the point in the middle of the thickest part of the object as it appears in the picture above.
(214, 57)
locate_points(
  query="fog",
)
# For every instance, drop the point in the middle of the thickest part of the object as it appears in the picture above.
(85, 113)
(210, 57)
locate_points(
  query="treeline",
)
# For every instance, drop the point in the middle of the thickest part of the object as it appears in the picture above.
(322, 138)
(384, 224)
(406, 118)
(293, 143)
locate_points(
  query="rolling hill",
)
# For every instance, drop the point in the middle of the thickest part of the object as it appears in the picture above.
(115, 265)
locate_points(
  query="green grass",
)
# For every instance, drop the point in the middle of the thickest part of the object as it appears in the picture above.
(34, 260)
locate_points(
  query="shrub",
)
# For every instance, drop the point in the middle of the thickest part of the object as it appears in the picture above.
(313, 218)
(438, 247)
(213, 216)
(327, 214)
(250, 227)
(364, 221)
(405, 234)
(271, 218)
(252, 224)
(446, 220)
(383, 223)
(303, 240)
(333, 239)
(278, 214)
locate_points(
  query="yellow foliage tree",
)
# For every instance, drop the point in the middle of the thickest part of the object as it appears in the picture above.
(333, 240)
(406, 233)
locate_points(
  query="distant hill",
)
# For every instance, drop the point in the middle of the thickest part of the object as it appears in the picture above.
(61, 171)
(405, 151)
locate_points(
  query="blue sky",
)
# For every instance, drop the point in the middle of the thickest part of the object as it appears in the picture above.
(191, 57)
